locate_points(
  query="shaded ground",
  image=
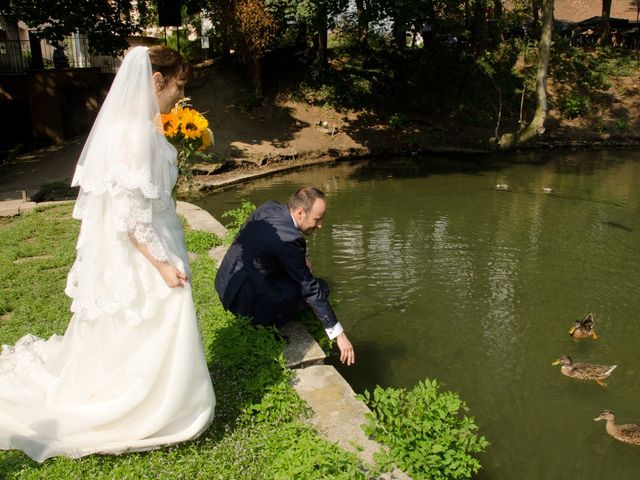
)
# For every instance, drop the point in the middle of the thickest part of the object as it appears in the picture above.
(282, 126)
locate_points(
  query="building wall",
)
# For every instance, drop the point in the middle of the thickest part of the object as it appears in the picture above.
(50, 106)
(64, 103)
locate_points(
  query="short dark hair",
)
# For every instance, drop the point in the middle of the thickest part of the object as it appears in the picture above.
(305, 197)
(169, 63)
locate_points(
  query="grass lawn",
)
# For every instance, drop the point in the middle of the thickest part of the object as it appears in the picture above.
(260, 429)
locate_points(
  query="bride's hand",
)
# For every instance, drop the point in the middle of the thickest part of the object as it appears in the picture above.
(172, 276)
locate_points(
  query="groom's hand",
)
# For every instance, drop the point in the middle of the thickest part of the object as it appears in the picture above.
(347, 355)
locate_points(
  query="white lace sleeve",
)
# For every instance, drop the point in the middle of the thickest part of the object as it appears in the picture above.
(145, 235)
(135, 211)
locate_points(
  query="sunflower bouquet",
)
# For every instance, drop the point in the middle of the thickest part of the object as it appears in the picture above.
(189, 132)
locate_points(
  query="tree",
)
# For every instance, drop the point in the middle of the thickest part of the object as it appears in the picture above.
(536, 127)
(317, 16)
(221, 13)
(363, 23)
(321, 38)
(405, 15)
(605, 30)
(107, 24)
(479, 30)
(255, 32)
(312, 17)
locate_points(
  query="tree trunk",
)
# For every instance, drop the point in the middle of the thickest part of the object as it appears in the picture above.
(536, 127)
(399, 32)
(479, 32)
(467, 15)
(497, 10)
(496, 34)
(605, 30)
(535, 24)
(224, 12)
(321, 23)
(363, 24)
(535, 6)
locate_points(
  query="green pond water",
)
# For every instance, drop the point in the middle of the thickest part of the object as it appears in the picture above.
(437, 273)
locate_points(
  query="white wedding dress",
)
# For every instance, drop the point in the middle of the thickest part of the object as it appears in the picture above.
(130, 372)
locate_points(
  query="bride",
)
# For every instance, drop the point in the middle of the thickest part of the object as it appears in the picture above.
(130, 372)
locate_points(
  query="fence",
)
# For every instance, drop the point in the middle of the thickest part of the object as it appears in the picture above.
(16, 56)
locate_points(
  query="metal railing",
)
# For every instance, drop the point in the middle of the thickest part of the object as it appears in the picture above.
(16, 56)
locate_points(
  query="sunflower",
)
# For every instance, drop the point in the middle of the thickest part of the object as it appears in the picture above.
(170, 124)
(207, 138)
(192, 123)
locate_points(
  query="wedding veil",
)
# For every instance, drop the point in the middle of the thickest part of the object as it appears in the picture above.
(119, 148)
(125, 173)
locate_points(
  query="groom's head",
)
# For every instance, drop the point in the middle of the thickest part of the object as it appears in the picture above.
(307, 206)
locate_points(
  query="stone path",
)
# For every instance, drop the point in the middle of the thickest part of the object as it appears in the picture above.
(27, 173)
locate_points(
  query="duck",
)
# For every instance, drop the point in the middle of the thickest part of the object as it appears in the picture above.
(628, 433)
(583, 328)
(584, 371)
(502, 186)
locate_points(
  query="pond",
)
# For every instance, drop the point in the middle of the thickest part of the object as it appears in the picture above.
(437, 273)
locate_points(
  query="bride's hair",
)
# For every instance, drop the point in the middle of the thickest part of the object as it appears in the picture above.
(169, 63)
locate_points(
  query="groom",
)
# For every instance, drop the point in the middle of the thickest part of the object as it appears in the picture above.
(266, 274)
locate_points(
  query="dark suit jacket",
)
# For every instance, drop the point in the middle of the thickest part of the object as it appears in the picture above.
(264, 274)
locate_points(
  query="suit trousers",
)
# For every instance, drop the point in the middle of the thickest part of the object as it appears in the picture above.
(269, 310)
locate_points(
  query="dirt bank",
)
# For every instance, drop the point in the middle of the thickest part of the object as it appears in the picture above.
(282, 133)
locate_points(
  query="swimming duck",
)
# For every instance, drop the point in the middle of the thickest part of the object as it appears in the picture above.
(629, 433)
(584, 371)
(583, 328)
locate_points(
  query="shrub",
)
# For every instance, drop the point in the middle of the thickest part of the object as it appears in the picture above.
(574, 105)
(426, 431)
(190, 49)
(622, 125)
(397, 121)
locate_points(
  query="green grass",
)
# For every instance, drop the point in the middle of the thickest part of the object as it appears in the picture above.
(37, 252)
(201, 242)
(260, 429)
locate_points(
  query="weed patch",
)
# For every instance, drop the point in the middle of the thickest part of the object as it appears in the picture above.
(427, 431)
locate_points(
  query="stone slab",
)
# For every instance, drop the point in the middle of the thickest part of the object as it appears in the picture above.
(301, 350)
(338, 415)
(11, 208)
(218, 253)
(200, 219)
